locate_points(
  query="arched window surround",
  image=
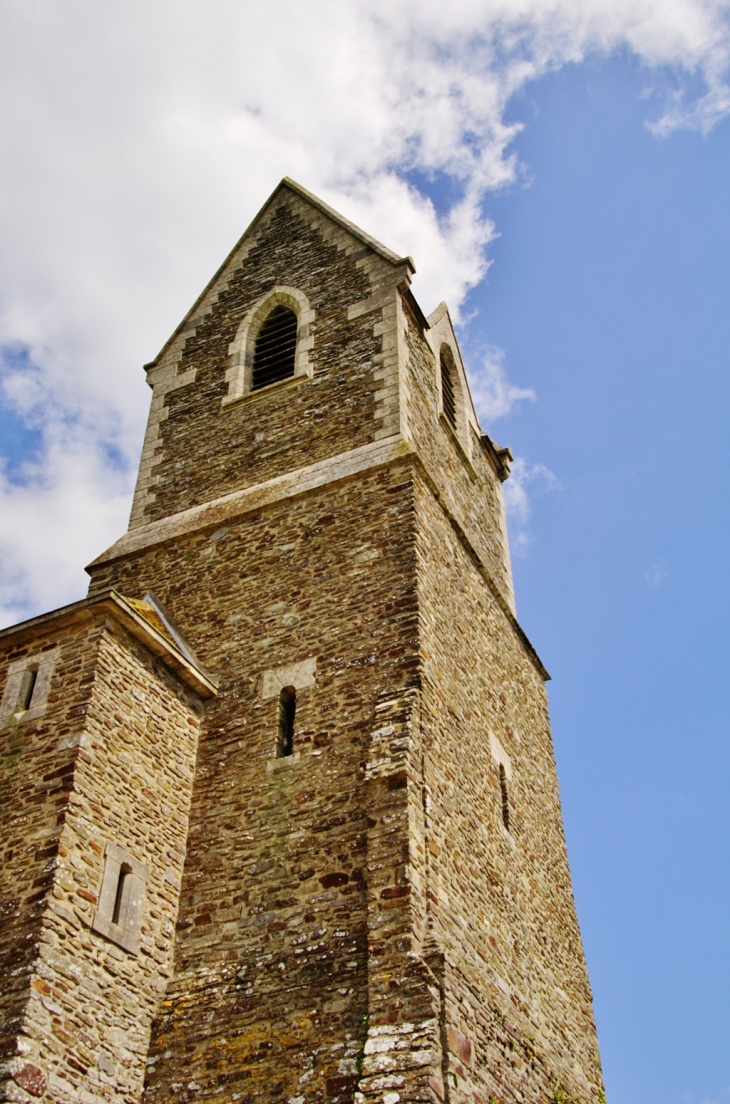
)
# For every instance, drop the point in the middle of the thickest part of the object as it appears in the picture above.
(460, 430)
(120, 905)
(26, 690)
(239, 375)
(286, 689)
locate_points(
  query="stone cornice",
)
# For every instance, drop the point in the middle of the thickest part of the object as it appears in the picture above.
(302, 481)
(244, 501)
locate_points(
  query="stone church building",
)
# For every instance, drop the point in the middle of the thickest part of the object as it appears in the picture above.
(280, 818)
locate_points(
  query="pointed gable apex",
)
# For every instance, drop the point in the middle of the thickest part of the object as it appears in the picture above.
(205, 300)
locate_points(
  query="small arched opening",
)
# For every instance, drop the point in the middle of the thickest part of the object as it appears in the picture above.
(27, 688)
(120, 898)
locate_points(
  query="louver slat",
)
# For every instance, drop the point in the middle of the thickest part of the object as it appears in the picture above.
(275, 348)
(447, 393)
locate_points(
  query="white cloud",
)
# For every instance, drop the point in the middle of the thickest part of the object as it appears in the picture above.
(524, 480)
(72, 496)
(140, 136)
(494, 395)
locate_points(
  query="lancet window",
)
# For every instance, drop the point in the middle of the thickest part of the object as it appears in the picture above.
(505, 795)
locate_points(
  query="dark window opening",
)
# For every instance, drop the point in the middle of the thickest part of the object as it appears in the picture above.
(287, 710)
(448, 396)
(26, 688)
(275, 350)
(124, 872)
(505, 796)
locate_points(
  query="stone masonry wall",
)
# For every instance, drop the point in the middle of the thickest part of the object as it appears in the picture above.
(497, 903)
(270, 996)
(34, 783)
(112, 761)
(470, 488)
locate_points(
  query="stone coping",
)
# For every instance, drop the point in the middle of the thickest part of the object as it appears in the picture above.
(117, 606)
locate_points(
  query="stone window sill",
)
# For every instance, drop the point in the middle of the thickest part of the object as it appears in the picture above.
(284, 762)
(24, 715)
(278, 385)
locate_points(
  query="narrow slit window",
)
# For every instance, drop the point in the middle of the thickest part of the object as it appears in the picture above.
(505, 796)
(287, 711)
(118, 914)
(275, 351)
(27, 687)
(448, 396)
(25, 694)
(122, 883)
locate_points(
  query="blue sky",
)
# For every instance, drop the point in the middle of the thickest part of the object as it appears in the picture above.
(588, 258)
(610, 292)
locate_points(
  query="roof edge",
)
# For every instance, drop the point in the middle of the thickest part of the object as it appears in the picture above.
(191, 672)
(355, 230)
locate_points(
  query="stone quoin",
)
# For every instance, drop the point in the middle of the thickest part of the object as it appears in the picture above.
(280, 815)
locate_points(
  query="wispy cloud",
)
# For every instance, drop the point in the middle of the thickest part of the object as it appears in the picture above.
(139, 137)
(494, 395)
(656, 573)
(525, 481)
(723, 1095)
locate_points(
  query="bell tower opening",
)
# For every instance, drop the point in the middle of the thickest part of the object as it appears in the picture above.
(275, 350)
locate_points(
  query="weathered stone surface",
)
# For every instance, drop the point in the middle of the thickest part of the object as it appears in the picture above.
(386, 914)
(275, 884)
(111, 760)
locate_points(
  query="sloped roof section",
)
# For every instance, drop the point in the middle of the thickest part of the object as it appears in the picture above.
(143, 619)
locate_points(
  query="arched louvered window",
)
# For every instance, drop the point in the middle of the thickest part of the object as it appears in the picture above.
(448, 395)
(287, 711)
(275, 349)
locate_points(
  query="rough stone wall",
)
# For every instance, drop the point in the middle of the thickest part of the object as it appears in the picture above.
(34, 783)
(497, 903)
(111, 761)
(206, 450)
(469, 488)
(270, 995)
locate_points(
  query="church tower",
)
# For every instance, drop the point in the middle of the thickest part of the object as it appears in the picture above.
(290, 829)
